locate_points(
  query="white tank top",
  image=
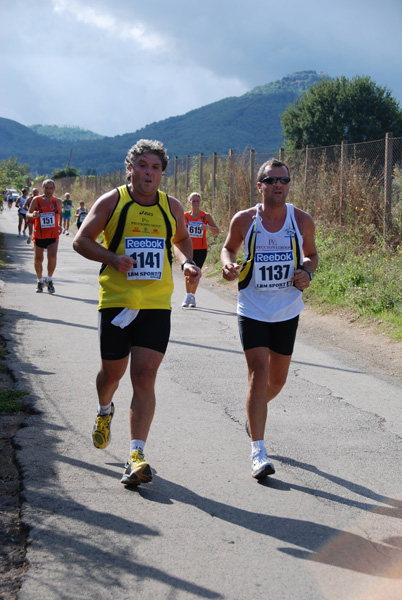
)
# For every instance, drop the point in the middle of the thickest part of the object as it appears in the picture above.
(266, 292)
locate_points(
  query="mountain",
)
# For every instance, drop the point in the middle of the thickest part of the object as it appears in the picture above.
(248, 121)
(66, 134)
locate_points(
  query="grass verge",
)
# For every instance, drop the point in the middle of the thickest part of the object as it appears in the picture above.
(10, 400)
(355, 277)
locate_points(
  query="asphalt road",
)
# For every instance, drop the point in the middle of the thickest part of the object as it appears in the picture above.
(327, 525)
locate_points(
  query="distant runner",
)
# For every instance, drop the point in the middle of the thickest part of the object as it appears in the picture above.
(30, 222)
(46, 210)
(67, 207)
(197, 223)
(22, 213)
(80, 214)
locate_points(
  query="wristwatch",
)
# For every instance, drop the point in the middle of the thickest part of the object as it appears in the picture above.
(309, 273)
(187, 261)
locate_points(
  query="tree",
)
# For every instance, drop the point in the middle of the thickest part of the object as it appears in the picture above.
(334, 110)
(13, 174)
(67, 172)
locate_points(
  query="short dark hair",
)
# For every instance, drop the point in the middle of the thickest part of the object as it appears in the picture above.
(147, 146)
(272, 162)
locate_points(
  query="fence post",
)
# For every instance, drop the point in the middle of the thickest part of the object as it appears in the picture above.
(252, 184)
(344, 168)
(281, 155)
(187, 172)
(306, 174)
(175, 175)
(201, 170)
(231, 153)
(215, 171)
(388, 183)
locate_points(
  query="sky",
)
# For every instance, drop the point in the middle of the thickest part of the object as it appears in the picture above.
(114, 66)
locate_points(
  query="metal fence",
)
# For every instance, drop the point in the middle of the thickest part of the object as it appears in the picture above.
(369, 170)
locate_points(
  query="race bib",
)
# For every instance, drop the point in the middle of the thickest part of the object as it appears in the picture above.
(149, 254)
(47, 220)
(195, 229)
(274, 270)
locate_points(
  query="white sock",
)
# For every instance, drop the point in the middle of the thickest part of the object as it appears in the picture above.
(40, 280)
(137, 444)
(105, 409)
(258, 447)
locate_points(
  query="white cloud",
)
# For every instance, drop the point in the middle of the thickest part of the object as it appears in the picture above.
(115, 67)
(116, 28)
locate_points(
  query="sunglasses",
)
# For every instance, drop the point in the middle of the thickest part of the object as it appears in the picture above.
(272, 180)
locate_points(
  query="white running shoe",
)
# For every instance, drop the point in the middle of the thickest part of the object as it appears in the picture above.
(261, 466)
(186, 300)
(192, 303)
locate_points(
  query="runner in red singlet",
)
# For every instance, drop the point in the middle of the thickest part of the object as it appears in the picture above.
(46, 210)
(197, 223)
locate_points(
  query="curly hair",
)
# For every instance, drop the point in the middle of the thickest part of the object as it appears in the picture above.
(147, 146)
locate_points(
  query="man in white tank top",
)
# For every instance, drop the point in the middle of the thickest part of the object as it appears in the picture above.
(280, 259)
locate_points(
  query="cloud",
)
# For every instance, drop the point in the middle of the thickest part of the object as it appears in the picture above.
(116, 66)
(115, 28)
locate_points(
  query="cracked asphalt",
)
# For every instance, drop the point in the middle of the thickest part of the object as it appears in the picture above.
(326, 525)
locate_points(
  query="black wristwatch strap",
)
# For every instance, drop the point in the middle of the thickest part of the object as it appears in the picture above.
(187, 261)
(309, 273)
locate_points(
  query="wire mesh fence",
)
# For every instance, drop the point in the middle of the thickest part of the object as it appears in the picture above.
(358, 184)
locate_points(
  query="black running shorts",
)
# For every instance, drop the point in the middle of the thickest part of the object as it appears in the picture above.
(279, 337)
(150, 329)
(45, 242)
(199, 257)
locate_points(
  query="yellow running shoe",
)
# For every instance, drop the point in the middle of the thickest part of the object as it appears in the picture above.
(101, 435)
(136, 470)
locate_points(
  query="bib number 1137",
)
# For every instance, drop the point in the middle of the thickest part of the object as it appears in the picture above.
(274, 272)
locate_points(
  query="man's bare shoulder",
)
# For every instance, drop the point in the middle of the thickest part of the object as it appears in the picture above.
(103, 207)
(175, 206)
(304, 220)
(244, 217)
(107, 200)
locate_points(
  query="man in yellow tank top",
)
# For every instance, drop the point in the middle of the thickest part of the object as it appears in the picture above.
(142, 227)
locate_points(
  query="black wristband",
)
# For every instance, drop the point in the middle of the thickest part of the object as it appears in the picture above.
(187, 261)
(309, 273)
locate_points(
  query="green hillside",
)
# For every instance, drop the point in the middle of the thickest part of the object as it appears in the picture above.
(248, 121)
(66, 134)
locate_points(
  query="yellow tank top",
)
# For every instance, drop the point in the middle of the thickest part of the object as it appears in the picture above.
(145, 233)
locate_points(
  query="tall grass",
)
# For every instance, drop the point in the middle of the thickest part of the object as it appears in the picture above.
(364, 279)
(359, 271)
